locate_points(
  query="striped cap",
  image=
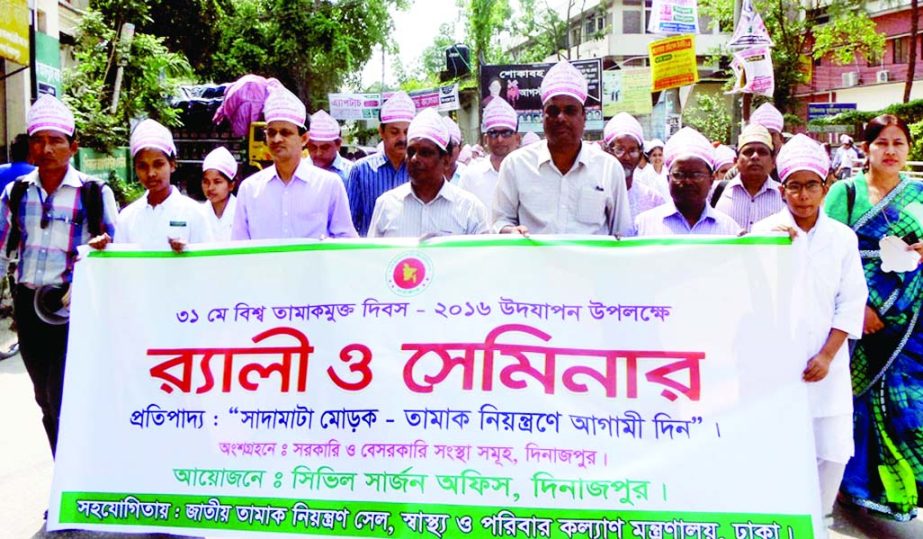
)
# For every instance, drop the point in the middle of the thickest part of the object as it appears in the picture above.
(398, 108)
(686, 143)
(623, 124)
(564, 79)
(220, 159)
(150, 134)
(499, 114)
(49, 113)
(429, 125)
(724, 155)
(769, 117)
(802, 153)
(454, 132)
(323, 127)
(282, 105)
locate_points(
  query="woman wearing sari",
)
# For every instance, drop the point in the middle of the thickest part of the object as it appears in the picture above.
(886, 473)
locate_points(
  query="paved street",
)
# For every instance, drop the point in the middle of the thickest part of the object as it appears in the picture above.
(26, 468)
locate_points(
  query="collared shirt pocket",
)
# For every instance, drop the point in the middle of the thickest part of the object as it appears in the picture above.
(591, 205)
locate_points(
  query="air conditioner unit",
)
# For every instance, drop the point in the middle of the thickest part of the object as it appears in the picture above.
(882, 76)
(850, 78)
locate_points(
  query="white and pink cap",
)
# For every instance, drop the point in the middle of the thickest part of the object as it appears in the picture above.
(564, 79)
(498, 114)
(323, 127)
(220, 159)
(454, 131)
(150, 134)
(398, 108)
(802, 153)
(623, 124)
(282, 105)
(429, 125)
(686, 143)
(48, 113)
(529, 138)
(724, 155)
(769, 117)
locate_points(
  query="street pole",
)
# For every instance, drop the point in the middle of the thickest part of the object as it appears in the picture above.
(736, 111)
(126, 34)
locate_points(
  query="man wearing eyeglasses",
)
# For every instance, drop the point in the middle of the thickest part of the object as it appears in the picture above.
(500, 125)
(562, 185)
(623, 138)
(292, 198)
(689, 160)
(45, 226)
(753, 195)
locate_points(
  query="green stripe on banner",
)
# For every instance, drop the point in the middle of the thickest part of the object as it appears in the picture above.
(459, 242)
(381, 519)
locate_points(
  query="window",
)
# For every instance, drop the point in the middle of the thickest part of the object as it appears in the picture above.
(900, 49)
(647, 15)
(589, 27)
(575, 37)
(631, 22)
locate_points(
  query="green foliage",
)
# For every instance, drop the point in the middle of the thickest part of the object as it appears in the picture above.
(125, 192)
(486, 20)
(190, 26)
(311, 46)
(543, 26)
(840, 29)
(916, 149)
(710, 116)
(151, 74)
(911, 112)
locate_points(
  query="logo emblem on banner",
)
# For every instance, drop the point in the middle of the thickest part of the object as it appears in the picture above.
(409, 273)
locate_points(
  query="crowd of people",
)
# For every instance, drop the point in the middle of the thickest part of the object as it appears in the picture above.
(864, 363)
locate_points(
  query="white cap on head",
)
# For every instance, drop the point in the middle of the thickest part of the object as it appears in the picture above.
(802, 153)
(649, 145)
(724, 155)
(686, 143)
(429, 125)
(454, 131)
(323, 127)
(845, 139)
(498, 114)
(150, 134)
(49, 113)
(220, 159)
(398, 108)
(529, 138)
(564, 79)
(623, 124)
(282, 105)
(769, 117)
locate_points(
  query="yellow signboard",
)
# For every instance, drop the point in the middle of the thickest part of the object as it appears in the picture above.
(673, 62)
(14, 31)
(627, 90)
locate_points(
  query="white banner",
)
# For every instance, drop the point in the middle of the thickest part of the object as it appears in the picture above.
(671, 17)
(466, 387)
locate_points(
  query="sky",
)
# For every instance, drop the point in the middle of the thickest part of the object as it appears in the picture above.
(414, 30)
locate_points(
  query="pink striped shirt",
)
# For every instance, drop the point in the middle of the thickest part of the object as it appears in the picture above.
(736, 202)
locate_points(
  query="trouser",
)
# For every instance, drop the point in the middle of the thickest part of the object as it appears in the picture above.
(830, 475)
(43, 348)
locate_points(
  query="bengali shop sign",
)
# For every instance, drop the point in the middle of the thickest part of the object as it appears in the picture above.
(371, 389)
(366, 106)
(673, 62)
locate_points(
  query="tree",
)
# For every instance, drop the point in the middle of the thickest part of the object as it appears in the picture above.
(192, 27)
(709, 116)
(151, 74)
(544, 27)
(914, 30)
(311, 46)
(487, 19)
(838, 29)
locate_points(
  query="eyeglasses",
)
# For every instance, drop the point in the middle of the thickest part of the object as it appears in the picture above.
(554, 111)
(501, 133)
(679, 176)
(286, 133)
(618, 150)
(813, 187)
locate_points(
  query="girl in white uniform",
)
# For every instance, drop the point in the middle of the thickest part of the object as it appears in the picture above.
(834, 288)
(218, 172)
(163, 218)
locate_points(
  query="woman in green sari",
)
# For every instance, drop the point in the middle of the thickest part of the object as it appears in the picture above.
(886, 473)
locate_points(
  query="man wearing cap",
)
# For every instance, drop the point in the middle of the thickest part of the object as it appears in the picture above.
(429, 204)
(324, 143)
(375, 174)
(844, 157)
(45, 226)
(689, 160)
(291, 198)
(561, 185)
(753, 195)
(500, 125)
(623, 138)
(456, 169)
(769, 117)
(529, 138)
(831, 275)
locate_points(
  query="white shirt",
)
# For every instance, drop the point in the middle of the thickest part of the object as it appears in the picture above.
(590, 198)
(221, 226)
(480, 179)
(835, 292)
(399, 213)
(151, 227)
(658, 182)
